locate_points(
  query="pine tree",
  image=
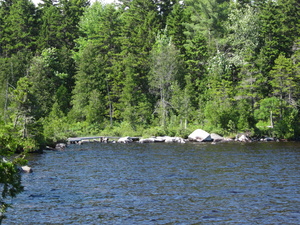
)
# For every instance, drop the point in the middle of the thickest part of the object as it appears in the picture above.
(208, 18)
(59, 23)
(71, 11)
(176, 24)
(280, 28)
(51, 27)
(96, 60)
(283, 80)
(140, 23)
(134, 106)
(18, 27)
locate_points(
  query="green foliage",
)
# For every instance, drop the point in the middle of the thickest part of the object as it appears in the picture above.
(55, 126)
(145, 68)
(17, 27)
(59, 23)
(148, 68)
(10, 184)
(288, 126)
(154, 131)
(283, 79)
(221, 115)
(208, 19)
(280, 28)
(164, 66)
(246, 121)
(11, 140)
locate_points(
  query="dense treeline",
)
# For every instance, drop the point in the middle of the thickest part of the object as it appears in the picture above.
(145, 67)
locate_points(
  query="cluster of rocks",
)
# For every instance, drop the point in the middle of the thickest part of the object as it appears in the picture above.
(203, 136)
(165, 139)
(24, 169)
(197, 136)
(58, 147)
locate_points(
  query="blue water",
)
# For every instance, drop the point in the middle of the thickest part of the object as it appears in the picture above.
(193, 183)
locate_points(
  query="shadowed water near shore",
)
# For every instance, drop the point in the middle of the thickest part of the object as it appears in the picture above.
(194, 183)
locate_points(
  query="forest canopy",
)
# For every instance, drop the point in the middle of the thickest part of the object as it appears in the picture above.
(149, 67)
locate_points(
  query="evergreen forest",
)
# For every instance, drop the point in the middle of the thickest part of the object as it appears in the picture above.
(145, 68)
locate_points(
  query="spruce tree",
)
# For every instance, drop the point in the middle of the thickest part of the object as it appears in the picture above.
(96, 61)
(141, 22)
(18, 27)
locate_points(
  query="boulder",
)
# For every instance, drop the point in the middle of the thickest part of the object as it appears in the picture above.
(60, 146)
(199, 135)
(269, 139)
(166, 139)
(179, 140)
(169, 139)
(105, 140)
(26, 169)
(160, 139)
(83, 141)
(147, 140)
(125, 140)
(244, 138)
(216, 137)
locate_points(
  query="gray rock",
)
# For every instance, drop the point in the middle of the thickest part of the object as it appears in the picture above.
(216, 137)
(60, 146)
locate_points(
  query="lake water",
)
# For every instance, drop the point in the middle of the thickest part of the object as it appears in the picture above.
(159, 183)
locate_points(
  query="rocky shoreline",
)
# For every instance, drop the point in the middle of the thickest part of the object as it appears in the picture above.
(197, 136)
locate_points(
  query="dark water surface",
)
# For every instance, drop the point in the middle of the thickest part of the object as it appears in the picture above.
(230, 183)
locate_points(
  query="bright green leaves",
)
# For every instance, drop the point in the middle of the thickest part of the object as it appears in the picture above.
(22, 98)
(10, 178)
(283, 79)
(10, 184)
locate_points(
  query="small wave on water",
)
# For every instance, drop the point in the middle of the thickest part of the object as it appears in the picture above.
(228, 183)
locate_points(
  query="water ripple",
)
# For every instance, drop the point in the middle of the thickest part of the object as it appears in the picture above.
(162, 184)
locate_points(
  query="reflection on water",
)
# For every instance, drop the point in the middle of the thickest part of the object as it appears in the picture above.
(159, 183)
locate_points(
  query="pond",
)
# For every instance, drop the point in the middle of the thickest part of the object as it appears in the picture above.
(159, 183)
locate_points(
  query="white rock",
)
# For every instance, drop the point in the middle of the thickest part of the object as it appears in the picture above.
(147, 140)
(169, 139)
(243, 138)
(26, 169)
(125, 140)
(200, 135)
(60, 146)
